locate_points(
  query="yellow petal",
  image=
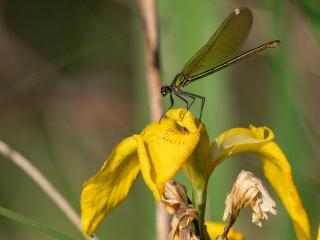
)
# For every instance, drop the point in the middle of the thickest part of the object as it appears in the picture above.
(215, 229)
(164, 146)
(278, 171)
(110, 186)
(318, 237)
(238, 140)
(197, 167)
(275, 166)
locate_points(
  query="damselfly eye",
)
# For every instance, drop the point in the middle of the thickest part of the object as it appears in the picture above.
(165, 90)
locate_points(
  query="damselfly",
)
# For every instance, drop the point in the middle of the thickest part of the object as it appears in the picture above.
(215, 55)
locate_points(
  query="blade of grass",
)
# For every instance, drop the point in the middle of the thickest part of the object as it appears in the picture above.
(32, 223)
(41, 180)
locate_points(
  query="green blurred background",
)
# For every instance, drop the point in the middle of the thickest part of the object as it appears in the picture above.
(72, 86)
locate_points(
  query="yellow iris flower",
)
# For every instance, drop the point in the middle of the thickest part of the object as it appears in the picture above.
(177, 141)
(215, 229)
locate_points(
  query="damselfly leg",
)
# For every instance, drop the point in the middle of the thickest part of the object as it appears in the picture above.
(171, 105)
(194, 96)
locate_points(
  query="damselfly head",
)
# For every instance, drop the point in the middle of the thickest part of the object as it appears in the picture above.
(165, 90)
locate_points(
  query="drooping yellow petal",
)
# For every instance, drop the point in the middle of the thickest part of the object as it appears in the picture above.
(318, 235)
(164, 146)
(278, 171)
(110, 186)
(275, 166)
(238, 140)
(215, 229)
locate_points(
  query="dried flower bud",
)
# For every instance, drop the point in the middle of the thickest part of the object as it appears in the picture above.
(248, 190)
(176, 200)
(181, 225)
(174, 196)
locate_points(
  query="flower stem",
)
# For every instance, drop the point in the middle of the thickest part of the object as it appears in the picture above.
(230, 224)
(199, 202)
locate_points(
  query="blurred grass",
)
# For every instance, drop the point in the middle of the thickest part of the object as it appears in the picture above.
(72, 86)
(311, 11)
(33, 224)
(283, 81)
(289, 128)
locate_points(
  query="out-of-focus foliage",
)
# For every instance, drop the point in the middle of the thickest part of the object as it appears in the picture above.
(72, 85)
(311, 10)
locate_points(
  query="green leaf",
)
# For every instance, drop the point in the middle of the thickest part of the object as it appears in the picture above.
(32, 223)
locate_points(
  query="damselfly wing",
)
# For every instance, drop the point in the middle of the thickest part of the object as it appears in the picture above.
(217, 54)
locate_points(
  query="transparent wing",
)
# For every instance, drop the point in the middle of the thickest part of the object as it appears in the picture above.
(229, 37)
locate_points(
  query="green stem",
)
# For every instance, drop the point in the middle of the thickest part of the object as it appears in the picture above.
(199, 202)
